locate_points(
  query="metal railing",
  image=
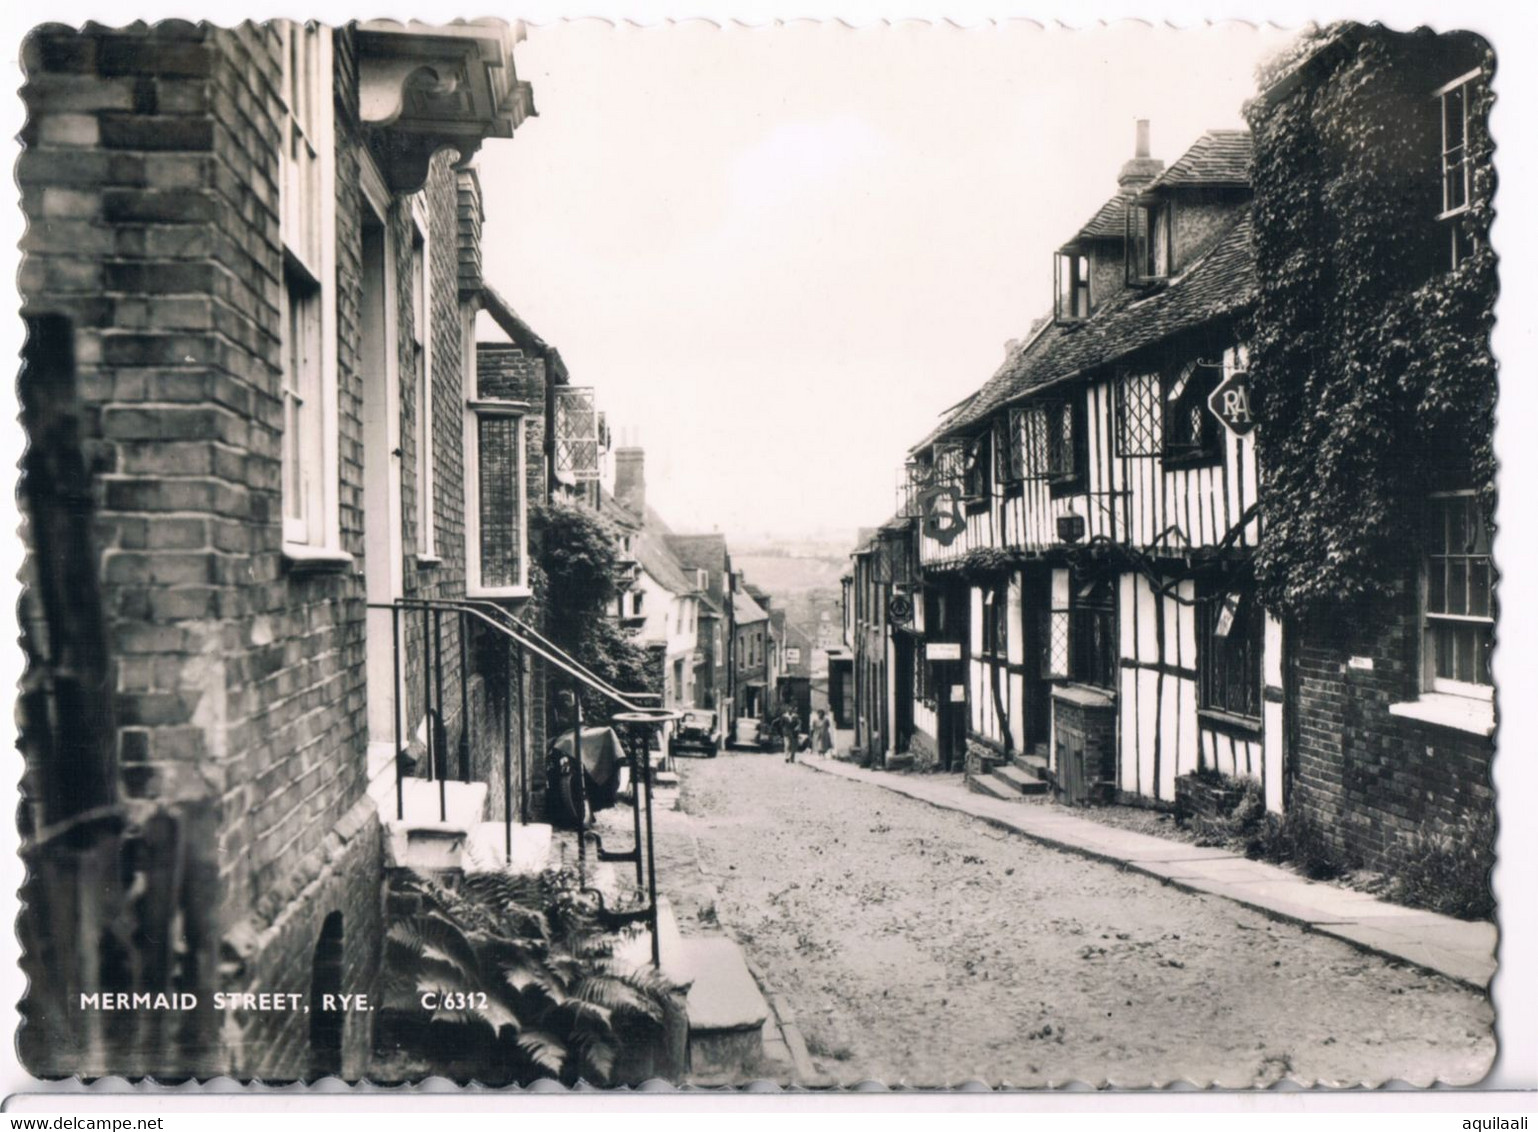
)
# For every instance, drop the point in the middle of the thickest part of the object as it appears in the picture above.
(639, 716)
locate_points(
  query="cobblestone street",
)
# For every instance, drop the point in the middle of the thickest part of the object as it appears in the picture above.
(923, 947)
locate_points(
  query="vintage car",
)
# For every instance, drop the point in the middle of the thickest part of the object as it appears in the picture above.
(697, 731)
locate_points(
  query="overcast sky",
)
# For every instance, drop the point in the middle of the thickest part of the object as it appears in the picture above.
(779, 253)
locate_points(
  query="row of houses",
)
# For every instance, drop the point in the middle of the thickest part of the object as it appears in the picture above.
(1211, 515)
(287, 450)
(719, 640)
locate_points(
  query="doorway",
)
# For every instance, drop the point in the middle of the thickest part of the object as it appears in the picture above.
(1035, 608)
(382, 544)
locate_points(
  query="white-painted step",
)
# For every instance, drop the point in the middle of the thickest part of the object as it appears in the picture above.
(636, 951)
(461, 804)
(486, 848)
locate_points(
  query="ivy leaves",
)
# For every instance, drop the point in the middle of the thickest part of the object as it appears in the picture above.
(1370, 358)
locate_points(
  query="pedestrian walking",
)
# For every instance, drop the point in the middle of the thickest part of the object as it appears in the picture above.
(822, 732)
(790, 731)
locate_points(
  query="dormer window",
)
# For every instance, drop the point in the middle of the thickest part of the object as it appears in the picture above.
(1456, 169)
(1150, 244)
(1072, 272)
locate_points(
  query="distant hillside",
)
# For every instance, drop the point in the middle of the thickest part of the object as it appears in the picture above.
(786, 577)
(804, 587)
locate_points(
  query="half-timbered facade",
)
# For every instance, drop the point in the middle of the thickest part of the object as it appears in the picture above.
(1099, 512)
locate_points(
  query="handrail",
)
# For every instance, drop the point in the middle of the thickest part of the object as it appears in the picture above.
(520, 626)
(549, 652)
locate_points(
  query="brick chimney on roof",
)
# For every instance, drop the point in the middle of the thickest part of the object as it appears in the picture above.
(1142, 169)
(630, 479)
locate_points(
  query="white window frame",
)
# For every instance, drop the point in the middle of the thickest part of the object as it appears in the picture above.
(1430, 681)
(1074, 299)
(475, 410)
(422, 346)
(309, 451)
(1440, 96)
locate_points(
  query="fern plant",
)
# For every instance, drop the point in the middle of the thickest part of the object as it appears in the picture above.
(510, 979)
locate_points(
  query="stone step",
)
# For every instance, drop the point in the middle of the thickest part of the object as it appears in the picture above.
(1033, 762)
(464, 802)
(428, 847)
(987, 784)
(486, 848)
(727, 1012)
(1022, 782)
(725, 1008)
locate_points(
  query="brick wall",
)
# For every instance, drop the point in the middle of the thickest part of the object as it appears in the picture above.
(1373, 780)
(1090, 728)
(149, 179)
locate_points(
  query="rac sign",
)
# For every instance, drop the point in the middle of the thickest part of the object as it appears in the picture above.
(1230, 403)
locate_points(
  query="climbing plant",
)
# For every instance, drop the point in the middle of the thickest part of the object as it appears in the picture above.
(1370, 356)
(577, 573)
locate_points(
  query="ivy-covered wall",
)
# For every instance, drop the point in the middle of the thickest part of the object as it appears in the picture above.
(1370, 356)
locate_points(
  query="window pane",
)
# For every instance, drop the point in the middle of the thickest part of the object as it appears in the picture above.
(1479, 588)
(1482, 655)
(500, 510)
(1457, 586)
(1452, 105)
(1457, 527)
(1442, 649)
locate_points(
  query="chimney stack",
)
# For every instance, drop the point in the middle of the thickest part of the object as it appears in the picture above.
(630, 479)
(1142, 169)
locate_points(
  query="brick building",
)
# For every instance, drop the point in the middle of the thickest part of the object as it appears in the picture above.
(250, 275)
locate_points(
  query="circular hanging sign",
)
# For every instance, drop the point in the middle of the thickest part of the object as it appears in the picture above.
(899, 610)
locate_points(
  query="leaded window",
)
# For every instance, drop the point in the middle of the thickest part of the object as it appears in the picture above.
(1231, 624)
(1139, 415)
(1191, 431)
(577, 435)
(1009, 446)
(1092, 636)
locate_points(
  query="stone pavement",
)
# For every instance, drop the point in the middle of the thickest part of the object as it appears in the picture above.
(1458, 949)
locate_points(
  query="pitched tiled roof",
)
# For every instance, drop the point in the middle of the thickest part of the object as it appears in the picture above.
(1001, 386)
(745, 610)
(1110, 221)
(658, 561)
(616, 511)
(1220, 283)
(1218, 157)
(700, 552)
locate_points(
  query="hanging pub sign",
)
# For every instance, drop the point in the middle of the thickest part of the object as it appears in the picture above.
(1230, 403)
(1070, 527)
(899, 611)
(941, 507)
